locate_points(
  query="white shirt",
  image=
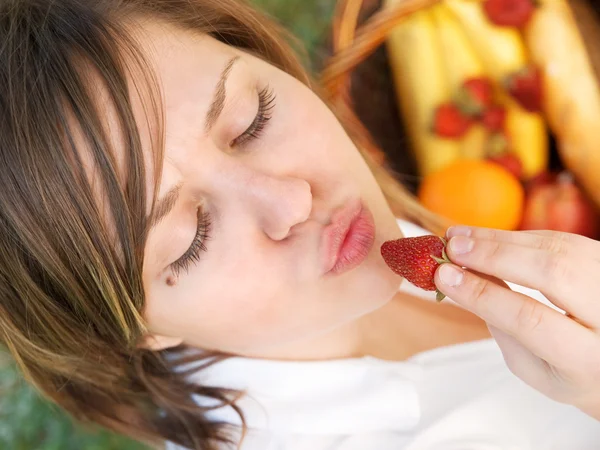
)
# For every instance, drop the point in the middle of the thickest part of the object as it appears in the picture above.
(458, 397)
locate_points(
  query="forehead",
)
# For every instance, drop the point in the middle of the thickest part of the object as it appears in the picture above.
(185, 68)
(183, 60)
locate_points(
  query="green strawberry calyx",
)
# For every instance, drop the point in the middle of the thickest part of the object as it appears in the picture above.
(439, 295)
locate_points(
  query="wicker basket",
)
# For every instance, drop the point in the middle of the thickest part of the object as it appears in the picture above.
(357, 76)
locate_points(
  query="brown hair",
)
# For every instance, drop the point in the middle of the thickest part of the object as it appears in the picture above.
(71, 294)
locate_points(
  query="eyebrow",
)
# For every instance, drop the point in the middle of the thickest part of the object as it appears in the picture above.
(218, 101)
(164, 206)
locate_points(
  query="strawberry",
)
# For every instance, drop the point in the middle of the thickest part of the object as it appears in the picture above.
(497, 144)
(416, 259)
(509, 13)
(475, 95)
(499, 151)
(510, 162)
(525, 86)
(450, 122)
(494, 118)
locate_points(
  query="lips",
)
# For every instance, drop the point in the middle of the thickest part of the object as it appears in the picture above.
(348, 239)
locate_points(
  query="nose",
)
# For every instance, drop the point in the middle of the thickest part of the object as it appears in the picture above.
(274, 202)
(278, 202)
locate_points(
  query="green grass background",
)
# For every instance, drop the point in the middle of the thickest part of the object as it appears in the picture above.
(28, 422)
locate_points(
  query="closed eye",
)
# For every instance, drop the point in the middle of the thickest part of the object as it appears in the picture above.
(266, 103)
(198, 245)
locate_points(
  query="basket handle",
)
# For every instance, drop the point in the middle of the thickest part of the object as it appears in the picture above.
(345, 19)
(351, 45)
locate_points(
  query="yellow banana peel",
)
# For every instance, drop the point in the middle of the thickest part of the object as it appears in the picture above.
(460, 60)
(474, 142)
(461, 63)
(421, 84)
(571, 90)
(501, 49)
(503, 52)
(528, 136)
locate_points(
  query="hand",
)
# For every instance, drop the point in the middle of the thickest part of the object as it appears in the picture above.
(557, 354)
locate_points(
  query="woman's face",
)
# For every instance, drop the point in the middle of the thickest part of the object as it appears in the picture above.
(271, 222)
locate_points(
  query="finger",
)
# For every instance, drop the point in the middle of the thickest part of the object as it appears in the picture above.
(545, 332)
(542, 239)
(533, 370)
(492, 279)
(567, 280)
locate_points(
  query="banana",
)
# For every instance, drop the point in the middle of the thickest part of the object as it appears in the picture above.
(571, 90)
(501, 49)
(460, 62)
(503, 52)
(528, 135)
(421, 86)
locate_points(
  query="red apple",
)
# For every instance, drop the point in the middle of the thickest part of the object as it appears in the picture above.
(555, 202)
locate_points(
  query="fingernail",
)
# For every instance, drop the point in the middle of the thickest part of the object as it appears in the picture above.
(459, 230)
(460, 245)
(450, 275)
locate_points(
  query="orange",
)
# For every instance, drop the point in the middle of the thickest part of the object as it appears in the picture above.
(474, 192)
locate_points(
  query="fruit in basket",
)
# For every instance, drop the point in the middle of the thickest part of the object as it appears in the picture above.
(450, 122)
(502, 52)
(500, 49)
(467, 80)
(558, 36)
(494, 118)
(556, 203)
(529, 137)
(500, 152)
(422, 84)
(461, 64)
(475, 95)
(474, 192)
(525, 86)
(509, 13)
(510, 162)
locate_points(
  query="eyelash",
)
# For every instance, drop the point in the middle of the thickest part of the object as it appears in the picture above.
(192, 255)
(266, 103)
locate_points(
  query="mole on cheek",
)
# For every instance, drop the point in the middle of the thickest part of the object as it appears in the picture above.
(171, 281)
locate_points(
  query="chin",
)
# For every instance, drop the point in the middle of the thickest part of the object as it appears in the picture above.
(383, 282)
(373, 280)
(378, 283)
(390, 282)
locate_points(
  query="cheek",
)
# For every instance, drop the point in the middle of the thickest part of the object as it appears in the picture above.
(222, 311)
(303, 134)
(317, 133)
(246, 321)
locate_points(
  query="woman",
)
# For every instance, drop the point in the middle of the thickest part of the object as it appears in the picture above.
(190, 248)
